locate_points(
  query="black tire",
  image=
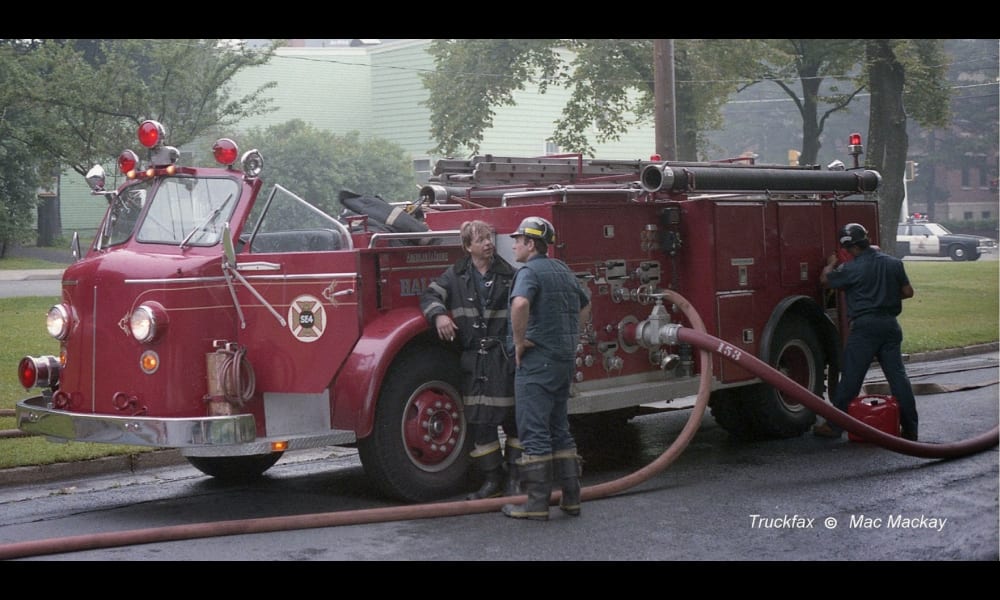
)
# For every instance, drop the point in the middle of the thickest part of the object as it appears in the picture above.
(418, 449)
(235, 468)
(727, 409)
(958, 252)
(760, 411)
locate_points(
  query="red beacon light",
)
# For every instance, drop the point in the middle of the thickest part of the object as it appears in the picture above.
(151, 134)
(127, 162)
(855, 148)
(225, 151)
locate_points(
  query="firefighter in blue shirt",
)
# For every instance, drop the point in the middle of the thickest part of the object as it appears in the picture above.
(875, 285)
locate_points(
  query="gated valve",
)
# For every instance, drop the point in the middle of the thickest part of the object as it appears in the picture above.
(656, 330)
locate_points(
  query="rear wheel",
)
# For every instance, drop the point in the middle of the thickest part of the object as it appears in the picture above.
(761, 411)
(235, 468)
(418, 448)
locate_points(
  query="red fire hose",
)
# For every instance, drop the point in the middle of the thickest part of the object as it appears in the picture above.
(696, 337)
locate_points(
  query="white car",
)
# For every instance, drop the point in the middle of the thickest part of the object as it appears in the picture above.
(921, 238)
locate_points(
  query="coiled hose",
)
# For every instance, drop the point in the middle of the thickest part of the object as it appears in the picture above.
(696, 337)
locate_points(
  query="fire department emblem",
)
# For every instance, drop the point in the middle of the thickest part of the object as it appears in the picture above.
(307, 318)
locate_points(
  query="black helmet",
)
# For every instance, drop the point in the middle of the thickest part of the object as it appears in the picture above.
(852, 234)
(538, 228)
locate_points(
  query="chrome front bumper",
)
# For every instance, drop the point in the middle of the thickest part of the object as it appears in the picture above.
(36, 416)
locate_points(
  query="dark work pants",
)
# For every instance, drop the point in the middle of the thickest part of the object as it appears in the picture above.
(541, 397)
(871, 337)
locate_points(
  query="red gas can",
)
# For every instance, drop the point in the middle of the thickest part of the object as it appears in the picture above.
(880, 412)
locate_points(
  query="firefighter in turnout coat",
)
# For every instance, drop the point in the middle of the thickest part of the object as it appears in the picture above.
(468, 304)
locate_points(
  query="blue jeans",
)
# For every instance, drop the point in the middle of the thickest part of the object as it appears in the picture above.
(876, 336)
(541, 396)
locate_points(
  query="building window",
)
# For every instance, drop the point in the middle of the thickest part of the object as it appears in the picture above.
(422, 166)
(984, 181)
(965, 177)
(986, 215)
(552, 148)
(967, 215)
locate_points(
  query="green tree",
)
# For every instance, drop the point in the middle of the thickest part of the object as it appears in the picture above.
(75, 103)
(969, 139)
(316, 164)
(808, 63)
(611, 82)
(93, 94)
(20, 166)
(906, 78)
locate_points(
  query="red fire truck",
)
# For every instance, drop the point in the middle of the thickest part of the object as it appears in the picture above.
(235, 321)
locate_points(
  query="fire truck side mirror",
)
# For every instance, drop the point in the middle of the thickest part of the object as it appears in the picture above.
(228, 251)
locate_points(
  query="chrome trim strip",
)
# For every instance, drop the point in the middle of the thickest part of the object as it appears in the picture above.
(297, 277)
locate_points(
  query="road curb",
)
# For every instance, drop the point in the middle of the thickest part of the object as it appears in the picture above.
(129, 463)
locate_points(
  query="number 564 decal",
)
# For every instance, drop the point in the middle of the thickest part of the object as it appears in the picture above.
(307, 318)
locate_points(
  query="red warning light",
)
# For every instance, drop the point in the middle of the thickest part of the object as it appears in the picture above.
(151, 133)
(855, 139)
(225, 151)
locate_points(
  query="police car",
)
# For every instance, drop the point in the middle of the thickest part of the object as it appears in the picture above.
(919, 237)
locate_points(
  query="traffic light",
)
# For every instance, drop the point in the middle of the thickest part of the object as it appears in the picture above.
(911, 170)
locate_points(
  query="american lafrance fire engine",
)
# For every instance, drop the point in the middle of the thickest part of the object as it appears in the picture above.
(235, 321)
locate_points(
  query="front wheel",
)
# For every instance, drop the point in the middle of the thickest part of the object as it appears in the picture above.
(235, 468)
(959, 252)
(418, 448)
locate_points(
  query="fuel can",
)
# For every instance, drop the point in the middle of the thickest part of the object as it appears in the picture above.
(880, 412)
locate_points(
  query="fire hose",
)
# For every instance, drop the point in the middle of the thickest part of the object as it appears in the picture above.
(695, 336)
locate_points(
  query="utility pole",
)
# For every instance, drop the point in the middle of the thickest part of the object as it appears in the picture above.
(665, 110)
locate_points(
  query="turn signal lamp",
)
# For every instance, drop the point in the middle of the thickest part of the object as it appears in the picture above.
(151, 134)
(225, 150)
(279, 446)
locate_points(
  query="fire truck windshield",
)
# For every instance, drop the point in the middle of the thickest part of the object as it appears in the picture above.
(188, 211)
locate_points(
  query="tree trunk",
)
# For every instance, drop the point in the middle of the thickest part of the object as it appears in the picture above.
(888, 142)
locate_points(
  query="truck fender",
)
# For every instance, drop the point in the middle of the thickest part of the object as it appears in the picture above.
(357, 385)
(806, 307)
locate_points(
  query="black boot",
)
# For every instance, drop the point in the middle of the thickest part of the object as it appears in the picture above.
(536, 479)
(512, 452)
(567, 469)
(491, 466)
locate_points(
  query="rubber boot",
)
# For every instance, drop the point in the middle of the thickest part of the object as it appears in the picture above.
(490, 464)
(512, 452)
(567, 468)
(536, 479)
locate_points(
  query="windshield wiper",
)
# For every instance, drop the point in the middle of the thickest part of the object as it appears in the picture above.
(203, 227)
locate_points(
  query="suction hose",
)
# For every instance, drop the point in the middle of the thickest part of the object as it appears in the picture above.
(697, 337)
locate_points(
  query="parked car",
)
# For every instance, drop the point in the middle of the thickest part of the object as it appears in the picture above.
(918, 237)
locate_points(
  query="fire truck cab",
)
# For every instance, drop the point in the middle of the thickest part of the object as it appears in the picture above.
(236, 322)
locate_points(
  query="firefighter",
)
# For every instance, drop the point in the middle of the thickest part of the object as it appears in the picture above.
(548, 307)
(875, 285)
(468, 303)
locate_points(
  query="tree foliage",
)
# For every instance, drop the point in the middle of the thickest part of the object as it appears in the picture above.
(800, 68)
(899, 72)
(316, 164)
(74, 103)
(93, 94)
(611, 83)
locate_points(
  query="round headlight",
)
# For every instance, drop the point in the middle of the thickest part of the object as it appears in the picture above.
(148, 322)
(57, 321)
